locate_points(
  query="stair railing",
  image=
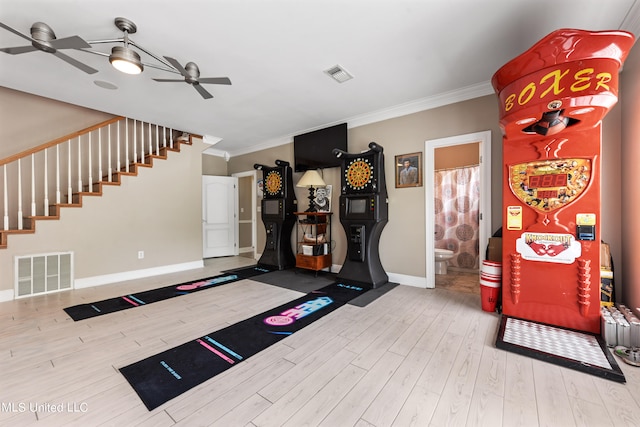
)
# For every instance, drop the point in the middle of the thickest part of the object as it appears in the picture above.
(75, 164)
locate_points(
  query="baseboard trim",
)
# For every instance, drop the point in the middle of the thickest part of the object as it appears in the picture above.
(403, 279)
(106, 279)
(6, 295)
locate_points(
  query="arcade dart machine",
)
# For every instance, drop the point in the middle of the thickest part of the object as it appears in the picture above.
(278, 205)
(552, 100)
(364, 211)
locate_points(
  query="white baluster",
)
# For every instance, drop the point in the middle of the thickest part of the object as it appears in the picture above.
(118, 164)
(46, 183)
(142, 142)
(90, 177)
(20, 195)
(69, 189)
(164, 137)
(126, 144)
(58, 174)
(99, 155)
(6, 200)
(170, 137)
(79, 166)
(33, 185)
(150, 143)
(157, 140)
(135, 142)
(109, 165)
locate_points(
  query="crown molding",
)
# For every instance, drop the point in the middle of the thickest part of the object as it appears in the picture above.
(631, 22)
(439, 100)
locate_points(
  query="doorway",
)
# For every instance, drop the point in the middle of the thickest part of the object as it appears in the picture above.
(247, 217)
(484, 216)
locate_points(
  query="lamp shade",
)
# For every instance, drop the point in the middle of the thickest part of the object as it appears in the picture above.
(126, 60)
(311, 178)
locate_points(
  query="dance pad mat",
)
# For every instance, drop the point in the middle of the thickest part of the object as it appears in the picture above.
(166, 375)
(581, 351)
(85, 311)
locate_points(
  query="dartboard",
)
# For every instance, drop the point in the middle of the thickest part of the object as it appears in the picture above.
(273, 183)
(358, 174)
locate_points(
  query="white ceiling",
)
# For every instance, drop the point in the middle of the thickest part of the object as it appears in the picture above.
(406, 55)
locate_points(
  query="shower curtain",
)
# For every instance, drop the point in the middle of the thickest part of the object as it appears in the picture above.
(457, 200)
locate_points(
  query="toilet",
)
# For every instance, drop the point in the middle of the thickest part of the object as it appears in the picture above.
(442, 255)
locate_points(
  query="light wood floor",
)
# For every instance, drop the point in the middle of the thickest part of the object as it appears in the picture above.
(414, 357)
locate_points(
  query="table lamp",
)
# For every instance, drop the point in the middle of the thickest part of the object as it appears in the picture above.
(309, 179)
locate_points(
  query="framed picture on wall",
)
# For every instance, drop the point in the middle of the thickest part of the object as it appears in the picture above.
(322, 202)
(409, 170)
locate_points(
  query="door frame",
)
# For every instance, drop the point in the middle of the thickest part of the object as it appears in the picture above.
(484, 140)
(253, 174)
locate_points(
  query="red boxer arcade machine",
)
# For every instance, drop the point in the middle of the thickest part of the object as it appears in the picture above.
(552, 100)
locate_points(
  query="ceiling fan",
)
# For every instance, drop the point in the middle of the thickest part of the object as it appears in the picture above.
(191, 74)
(43, 38)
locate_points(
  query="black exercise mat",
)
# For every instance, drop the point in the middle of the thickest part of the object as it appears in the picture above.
(166, 375)
(85, 311)
(297, 280)
(307, 281)
(251, 271)
(368, 297)
(577, 350)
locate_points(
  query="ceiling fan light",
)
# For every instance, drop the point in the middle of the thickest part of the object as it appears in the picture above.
(126, 60)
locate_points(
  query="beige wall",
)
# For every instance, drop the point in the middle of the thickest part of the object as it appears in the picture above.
(610, 196)
(407, 134)
(158, 212)
(628, 270)
(45, 119)
(214, 165)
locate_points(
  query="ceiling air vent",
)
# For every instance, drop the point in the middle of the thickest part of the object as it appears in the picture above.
(339, 74)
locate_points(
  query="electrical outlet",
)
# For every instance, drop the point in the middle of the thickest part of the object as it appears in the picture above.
(140, 254)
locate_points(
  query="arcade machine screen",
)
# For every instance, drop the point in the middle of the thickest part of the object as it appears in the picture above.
(272, 207)
(357, 206)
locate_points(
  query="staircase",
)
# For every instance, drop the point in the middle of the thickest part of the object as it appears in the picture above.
(36, 184)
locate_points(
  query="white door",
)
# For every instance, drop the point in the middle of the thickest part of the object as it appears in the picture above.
(219, 216)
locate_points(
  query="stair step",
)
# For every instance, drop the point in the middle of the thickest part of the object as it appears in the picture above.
(29, 222)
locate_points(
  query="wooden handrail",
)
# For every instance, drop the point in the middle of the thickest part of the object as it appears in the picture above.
(59, 140)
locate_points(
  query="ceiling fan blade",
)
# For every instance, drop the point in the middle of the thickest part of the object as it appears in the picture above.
(202, 91)
(17, 33)
(18, 49)
(215, 80)
(73, 42)
(177, 66)
(76, 63)
(169, 80)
